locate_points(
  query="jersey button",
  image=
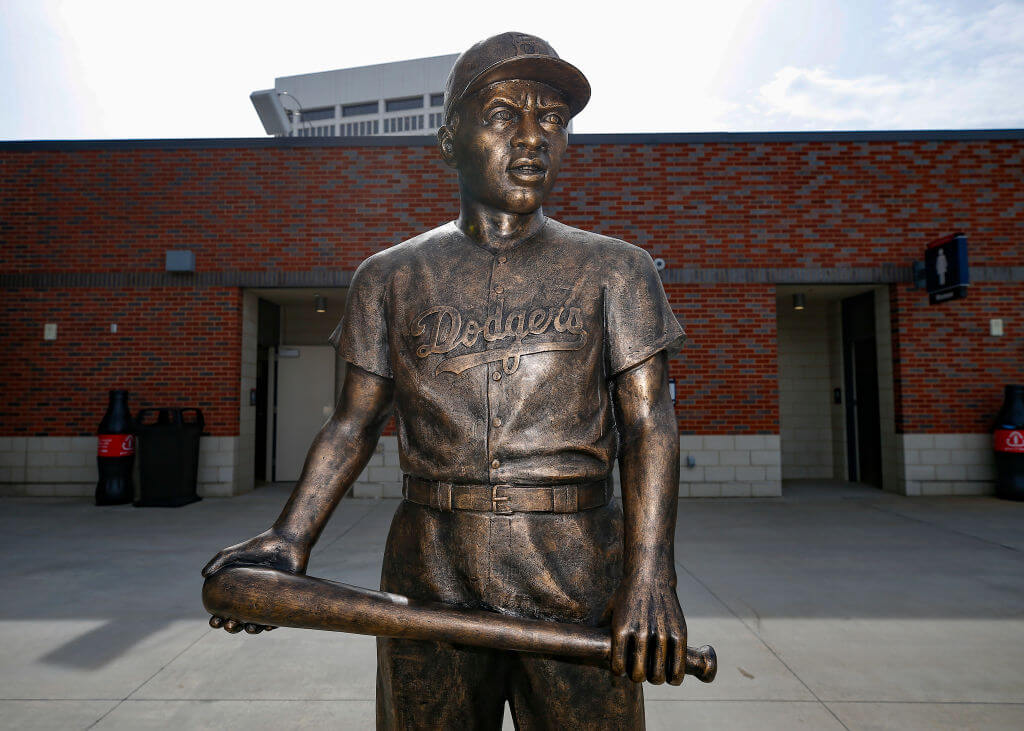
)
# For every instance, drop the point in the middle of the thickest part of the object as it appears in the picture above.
(499, 289)
(495, 464)
(497, 376)
(502, 259)
(495, 422)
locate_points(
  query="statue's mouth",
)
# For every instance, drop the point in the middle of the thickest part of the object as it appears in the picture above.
(529, 170)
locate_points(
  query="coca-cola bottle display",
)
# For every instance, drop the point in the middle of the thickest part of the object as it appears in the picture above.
(1008, 442)
(115, 452)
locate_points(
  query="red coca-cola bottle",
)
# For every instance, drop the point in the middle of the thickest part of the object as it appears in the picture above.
(115, 452)
(1008, 441)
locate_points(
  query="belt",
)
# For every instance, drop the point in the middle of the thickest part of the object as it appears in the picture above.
(505, 499)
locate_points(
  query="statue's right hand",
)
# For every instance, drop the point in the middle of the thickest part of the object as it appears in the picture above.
(269, 549)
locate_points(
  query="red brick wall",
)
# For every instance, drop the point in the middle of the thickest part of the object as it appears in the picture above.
(800, 204)
(718, 205)
(173, 347)
(239, 209)
(726, 375)
(949, 370)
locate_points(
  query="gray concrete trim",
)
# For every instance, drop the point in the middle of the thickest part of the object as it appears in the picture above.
(217, 143)
(997, 274)
(625, 138)
(883, 274)
(313, 278)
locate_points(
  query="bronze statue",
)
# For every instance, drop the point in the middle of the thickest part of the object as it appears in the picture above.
(521, 357)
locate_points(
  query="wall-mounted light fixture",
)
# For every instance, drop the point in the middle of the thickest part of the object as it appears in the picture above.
(799, 301)
(319, 303)
(182, 261)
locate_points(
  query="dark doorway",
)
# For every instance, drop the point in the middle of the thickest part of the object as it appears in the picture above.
(863, 416)
(268, 335)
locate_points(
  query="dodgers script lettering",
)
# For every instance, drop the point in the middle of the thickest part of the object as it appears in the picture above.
(447, 329)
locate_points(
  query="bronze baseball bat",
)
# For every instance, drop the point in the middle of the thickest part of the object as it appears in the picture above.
(266, 596)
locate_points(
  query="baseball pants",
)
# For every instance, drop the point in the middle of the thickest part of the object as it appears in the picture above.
(561, 567)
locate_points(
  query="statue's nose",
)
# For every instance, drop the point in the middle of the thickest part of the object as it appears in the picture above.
(529, 134)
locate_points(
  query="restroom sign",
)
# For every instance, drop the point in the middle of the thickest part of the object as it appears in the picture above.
(945, 262)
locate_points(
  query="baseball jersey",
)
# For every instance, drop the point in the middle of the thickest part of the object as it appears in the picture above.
(503, 361)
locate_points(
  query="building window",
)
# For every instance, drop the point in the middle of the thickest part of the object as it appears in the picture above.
(312, 115)
(437, 100)
(404, 124)
(409, 102)
(354, 110)
(375, 126)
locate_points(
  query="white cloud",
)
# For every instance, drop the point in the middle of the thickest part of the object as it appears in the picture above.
(950, 70)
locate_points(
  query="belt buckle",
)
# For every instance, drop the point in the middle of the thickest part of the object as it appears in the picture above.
(499, 503)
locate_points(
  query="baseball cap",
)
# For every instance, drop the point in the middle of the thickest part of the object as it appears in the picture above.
(514, 56)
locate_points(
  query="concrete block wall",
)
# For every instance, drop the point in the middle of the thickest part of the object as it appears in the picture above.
(726, 466)
(220, 473)
(243, 479)
(66, 466)
(48, 466)
(382, 476)
(837, 378)
(891, 463)
(945, 464)
(805, 391)
(730, 466)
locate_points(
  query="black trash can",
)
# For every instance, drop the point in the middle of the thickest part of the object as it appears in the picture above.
(168, 456)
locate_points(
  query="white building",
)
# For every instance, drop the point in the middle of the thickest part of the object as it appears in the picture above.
(400, 98)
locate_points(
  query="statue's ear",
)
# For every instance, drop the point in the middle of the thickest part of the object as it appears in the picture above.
(446, 143)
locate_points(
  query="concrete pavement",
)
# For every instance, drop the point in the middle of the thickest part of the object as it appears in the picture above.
(832, 607)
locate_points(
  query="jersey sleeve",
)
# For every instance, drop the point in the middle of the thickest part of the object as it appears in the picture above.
(639, 321)
(361, 338)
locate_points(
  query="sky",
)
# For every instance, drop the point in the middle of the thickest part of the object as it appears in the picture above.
(114, 69)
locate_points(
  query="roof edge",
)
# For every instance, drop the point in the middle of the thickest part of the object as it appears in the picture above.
(635, 138)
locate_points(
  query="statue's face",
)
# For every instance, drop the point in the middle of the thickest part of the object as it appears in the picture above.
(508, 144)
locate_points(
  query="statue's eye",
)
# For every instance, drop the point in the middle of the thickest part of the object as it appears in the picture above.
(501, 115)
(554, 118)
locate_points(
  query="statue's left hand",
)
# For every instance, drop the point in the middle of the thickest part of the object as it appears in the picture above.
(648, 629)
(235, 626)
(269, 548)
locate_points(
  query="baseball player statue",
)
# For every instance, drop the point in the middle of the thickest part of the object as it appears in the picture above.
(521, 358)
